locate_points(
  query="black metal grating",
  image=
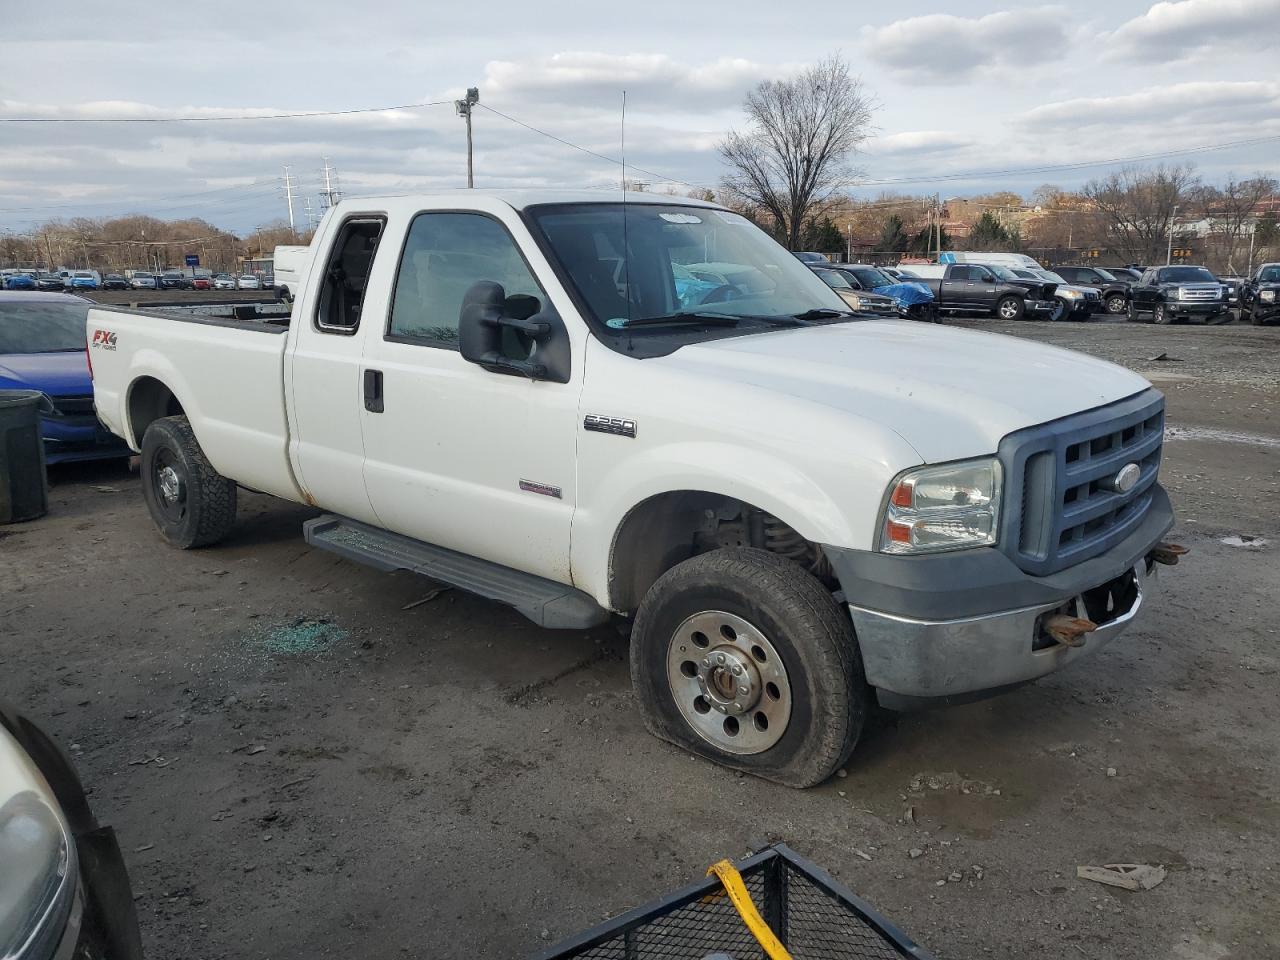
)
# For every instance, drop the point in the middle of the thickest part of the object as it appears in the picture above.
(813, 916)
(1058, 475)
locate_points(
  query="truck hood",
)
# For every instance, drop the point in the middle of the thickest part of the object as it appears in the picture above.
(949, 393)
(60, 374)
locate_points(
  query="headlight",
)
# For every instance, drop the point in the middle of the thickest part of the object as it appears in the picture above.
(1070, 294)
(853, 300)
(1267, 296)
(946, 507)
(38, 858)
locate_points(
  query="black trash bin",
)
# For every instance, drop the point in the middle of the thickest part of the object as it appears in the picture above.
(24, 493)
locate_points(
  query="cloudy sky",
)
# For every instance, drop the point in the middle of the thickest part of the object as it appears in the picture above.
(1043, 91)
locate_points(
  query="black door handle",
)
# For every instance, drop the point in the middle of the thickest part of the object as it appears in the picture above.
(373, 391)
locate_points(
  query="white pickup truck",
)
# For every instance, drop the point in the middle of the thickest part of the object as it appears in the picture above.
(585, 407)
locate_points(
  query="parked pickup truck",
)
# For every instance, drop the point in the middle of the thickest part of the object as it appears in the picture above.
(1260, 296)
(797, 509)
(975, 288)
(1172, 293)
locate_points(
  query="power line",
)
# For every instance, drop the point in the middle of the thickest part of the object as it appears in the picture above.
(274, 116)
(575, 146)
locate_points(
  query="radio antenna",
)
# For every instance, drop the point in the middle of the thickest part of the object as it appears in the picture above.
(626, 249)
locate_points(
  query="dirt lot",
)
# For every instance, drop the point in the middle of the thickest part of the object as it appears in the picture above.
(300, 763)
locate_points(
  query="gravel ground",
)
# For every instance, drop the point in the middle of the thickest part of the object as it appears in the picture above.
(301, 763)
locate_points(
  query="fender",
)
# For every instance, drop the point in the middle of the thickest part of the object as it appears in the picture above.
(758, 477)
(149, 362)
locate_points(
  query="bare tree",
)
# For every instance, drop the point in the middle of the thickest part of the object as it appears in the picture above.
(1230, 211)
(795, 155)
(1138, 207)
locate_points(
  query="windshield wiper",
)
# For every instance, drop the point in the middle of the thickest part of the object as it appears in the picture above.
(692, 319)
(823, 313)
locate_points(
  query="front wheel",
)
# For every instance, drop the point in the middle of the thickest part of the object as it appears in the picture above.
(743, 657)
(1116, 304)
(1010, 308)
(1160, 315)
(191, 503)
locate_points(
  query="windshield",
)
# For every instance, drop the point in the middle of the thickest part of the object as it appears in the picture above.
(1105, 274)
(83, 273)
(42, 327)
(1186, 275)
(870, 277)
(1004, 273)
(664, 260)
(1269, 274)
(834, 279)
(1048, 275)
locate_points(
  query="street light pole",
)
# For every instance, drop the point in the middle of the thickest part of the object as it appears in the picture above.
(464, 110)
(1168, 256)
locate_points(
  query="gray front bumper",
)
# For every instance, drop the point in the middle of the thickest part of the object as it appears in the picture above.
(933, 659)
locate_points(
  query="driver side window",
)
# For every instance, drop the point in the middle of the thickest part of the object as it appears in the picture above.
(444, 255)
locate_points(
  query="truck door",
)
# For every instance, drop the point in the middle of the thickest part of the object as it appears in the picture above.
(457, 455)
(958, 287)
(324, 371)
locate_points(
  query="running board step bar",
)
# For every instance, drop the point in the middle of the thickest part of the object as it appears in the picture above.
(545, 602)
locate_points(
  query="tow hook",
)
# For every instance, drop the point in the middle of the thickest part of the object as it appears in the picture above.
(1168, 553)
(1068, 631)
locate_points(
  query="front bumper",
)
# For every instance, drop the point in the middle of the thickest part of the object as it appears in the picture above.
(1041, 308)
(956, 625)
(934, 660)
(68, 439)
(1195, 308)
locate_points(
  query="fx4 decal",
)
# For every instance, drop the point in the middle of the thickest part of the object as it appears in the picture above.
(104, 340)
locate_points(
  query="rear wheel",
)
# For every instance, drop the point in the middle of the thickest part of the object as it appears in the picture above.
(743, 657)
(191, 503)
(1116, 304)
(1010, 308)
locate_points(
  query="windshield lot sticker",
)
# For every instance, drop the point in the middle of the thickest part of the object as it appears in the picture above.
(680, 218)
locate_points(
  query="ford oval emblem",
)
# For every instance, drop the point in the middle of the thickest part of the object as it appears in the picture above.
(1127, 478)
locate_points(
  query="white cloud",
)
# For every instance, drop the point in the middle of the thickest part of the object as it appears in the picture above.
(944, 48)
(1206, 106)
(1173, 31)
(918, 142)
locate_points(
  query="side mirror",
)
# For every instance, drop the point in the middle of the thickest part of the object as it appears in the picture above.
(487, 314)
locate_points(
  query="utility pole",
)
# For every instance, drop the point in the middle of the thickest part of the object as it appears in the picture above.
(1168, 256)
(330, 195)
(311, 217)
(464, 110)
(937, 219)
(1252, 230)
(848, 229)
(288, 198)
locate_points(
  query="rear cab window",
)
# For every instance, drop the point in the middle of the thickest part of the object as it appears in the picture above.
(346, 274)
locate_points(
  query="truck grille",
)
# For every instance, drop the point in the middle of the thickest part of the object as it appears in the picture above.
(1061, 507)
(1199, 293)
(73, 406)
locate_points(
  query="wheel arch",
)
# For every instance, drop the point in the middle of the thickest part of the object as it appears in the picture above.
(149, 399)
(666, 528)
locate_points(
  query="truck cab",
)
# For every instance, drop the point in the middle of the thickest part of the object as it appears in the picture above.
(644, 408)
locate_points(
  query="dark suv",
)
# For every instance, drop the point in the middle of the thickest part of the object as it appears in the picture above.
(1260, 296)
(173, 280)
(1170, 293)
(1114, 288)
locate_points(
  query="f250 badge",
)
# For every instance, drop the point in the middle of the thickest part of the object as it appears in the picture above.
(615, 425)
(104, 340)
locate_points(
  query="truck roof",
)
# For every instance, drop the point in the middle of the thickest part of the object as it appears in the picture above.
(520, 199)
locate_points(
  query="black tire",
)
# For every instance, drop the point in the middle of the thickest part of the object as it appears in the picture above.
(1116, 304)
(814, 639)
(1160, 315)
(1010, 308)
(1132, 313)
(1062, 312)
(200, 505)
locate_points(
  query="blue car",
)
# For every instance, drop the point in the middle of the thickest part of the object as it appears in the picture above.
(42, 347)
(20, 281)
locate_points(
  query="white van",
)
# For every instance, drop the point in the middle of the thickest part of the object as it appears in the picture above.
(289, 262)
(1020, 260)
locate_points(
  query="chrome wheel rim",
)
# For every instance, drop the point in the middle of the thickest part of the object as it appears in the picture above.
(729, 682)
(1008, 310)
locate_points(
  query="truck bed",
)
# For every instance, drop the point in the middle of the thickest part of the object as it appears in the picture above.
(226, 374)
